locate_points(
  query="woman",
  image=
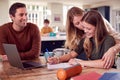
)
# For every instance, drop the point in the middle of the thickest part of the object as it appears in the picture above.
(97, 40)
(74, 27)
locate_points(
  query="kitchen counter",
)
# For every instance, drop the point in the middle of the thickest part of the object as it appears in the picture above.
(53, 38)
(52, 42)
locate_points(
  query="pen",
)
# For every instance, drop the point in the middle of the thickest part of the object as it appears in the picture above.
(47, 52)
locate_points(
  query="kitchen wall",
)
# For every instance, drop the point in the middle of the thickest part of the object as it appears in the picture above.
(4, 17)
(56, 16)
(114, 6)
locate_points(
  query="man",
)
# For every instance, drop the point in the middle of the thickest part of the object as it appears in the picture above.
(25, 35)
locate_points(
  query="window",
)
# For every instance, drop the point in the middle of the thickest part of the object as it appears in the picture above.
(36, 14)
(65, 10)
(116, 20)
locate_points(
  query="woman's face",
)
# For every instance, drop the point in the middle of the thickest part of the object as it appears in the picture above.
(77, 22)
(88, 29)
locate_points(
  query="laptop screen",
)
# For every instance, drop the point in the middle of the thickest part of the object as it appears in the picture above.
(13, 55)
(15, 60)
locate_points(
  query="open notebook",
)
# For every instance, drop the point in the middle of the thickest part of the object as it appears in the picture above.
(58, 66)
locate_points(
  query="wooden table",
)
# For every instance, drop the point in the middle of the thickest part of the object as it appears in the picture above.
(8, 72)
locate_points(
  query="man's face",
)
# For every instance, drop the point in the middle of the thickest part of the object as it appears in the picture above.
(20, 18)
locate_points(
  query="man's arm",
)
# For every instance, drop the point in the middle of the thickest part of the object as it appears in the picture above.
(34, 52)
(3, 39)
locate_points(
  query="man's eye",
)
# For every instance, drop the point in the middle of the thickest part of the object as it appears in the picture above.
(89, 29)
(77, 23)
(26, 14)
(83, 26)
(21, 14)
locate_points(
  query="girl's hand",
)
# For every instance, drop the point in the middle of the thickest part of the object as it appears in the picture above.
(73, 61)
(53, 60)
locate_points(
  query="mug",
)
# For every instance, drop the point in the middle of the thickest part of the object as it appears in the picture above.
(60, 51)
(52, 34)
(48, 54)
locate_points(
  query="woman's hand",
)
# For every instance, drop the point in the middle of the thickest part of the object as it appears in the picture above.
(109, 58)
(53, 60)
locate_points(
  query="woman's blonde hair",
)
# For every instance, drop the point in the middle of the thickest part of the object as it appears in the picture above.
(94, 18)
(73, 34)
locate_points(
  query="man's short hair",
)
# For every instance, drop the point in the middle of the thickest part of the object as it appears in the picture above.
(12, 9)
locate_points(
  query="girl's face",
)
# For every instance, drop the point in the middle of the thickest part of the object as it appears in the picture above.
(77, 22)
(88, 29)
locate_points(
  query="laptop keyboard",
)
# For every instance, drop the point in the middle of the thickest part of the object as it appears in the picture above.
(26, 65)
(32, 65)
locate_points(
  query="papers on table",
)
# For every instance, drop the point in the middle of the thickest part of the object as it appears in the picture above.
(58, 66)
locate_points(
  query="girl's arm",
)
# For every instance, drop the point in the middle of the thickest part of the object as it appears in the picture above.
(66, 57)
(91, 63)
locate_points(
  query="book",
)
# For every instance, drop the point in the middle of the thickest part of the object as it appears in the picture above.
(110, 76)
(88, 76)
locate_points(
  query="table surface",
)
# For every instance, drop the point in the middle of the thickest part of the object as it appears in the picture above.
(7, 72)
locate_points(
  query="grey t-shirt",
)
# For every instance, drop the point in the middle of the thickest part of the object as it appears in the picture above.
(107, 43)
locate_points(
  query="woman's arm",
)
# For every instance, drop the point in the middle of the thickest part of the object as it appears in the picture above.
(109, 56)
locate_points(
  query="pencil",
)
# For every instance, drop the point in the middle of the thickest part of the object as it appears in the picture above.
(47, 52)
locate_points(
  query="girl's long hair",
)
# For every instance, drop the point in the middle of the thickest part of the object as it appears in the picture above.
(94, 18)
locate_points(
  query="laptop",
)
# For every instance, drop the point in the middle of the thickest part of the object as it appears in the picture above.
(15, 60)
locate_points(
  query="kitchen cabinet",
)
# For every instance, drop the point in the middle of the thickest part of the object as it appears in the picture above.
(104, 10)
(52, 43)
